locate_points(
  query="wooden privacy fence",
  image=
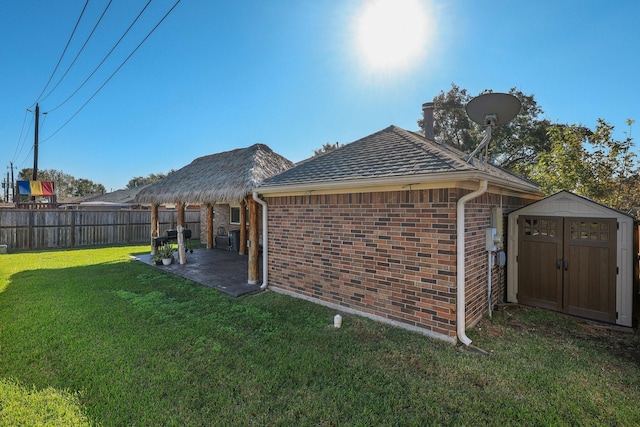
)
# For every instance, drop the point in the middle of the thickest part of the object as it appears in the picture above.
(55, 228)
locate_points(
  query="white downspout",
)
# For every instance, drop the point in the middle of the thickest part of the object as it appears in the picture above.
(265, 246)
(461, 317)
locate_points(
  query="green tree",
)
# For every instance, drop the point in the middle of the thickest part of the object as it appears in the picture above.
(515, 145)
(139, 181)
(558, 157)
(614, 167)
(451, 125)
(563, 166)
(327, 147)
(84, 187)
(518, 144)
(591, 163)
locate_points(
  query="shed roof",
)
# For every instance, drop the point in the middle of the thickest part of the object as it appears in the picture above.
(223, 177)
(388, 154)
(568, 204)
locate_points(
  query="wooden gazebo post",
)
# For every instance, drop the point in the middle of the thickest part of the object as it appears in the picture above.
(154, 226)
(180, 210)
(254, 245)
(209, 225)
(243, 227)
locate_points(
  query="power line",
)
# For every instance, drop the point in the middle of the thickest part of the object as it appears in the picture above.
(63, 52)
(18, 145)
(22, 143)
(27, 157)
(114, 73)
(78, 54)
(103, 59)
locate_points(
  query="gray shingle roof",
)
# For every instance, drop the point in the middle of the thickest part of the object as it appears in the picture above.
(391, 152)
(127, 195)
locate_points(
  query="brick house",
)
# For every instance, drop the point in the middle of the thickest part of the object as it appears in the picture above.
(372, 228)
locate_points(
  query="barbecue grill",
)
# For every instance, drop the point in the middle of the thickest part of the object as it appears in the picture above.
(172, 236)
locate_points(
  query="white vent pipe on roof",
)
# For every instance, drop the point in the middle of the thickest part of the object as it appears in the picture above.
(461, 316)
(265, 246)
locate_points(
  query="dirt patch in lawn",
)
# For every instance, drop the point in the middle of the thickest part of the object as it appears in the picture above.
(621, 341)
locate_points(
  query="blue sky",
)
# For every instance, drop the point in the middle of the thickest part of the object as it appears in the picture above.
(218, 75)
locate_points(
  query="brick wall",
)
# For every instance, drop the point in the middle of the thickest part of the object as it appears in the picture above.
(387, 254)
(221, 218)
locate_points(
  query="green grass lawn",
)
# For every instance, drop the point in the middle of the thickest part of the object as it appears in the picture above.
(89, 337)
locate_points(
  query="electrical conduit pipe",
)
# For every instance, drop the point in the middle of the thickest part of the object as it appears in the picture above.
(265, 246)
(489, 270)
(461, 318)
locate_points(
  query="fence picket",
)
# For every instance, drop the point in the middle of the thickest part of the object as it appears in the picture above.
(58, 228)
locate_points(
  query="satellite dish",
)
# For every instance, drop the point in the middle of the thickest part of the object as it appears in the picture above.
(492, 109)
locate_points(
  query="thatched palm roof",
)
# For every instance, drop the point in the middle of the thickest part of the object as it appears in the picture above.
(222, 177)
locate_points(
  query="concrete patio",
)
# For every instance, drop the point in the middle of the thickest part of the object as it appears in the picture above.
(223, 270)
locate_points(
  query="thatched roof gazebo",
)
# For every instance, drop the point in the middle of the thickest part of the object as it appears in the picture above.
(225, 177)
(221, 177)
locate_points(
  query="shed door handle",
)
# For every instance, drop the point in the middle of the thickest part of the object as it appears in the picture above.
(566, 265)
(559, 263)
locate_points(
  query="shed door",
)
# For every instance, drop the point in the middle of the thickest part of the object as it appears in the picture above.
(540, 247)
(569, 265)
(590, 277)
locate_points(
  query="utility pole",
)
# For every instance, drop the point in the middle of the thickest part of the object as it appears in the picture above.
(35, 144)
(13, 185)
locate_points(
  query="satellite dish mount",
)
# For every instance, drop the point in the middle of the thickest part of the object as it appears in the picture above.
(490, 110)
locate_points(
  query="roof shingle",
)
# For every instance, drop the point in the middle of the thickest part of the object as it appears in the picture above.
(391, 152)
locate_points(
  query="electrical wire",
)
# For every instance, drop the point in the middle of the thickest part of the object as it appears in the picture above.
(18, 149)
(103, 59)
(78, 54)
(27, 157)
(114, 73)
(63, 53)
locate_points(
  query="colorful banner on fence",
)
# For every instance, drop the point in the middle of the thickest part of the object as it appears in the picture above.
(35, 188)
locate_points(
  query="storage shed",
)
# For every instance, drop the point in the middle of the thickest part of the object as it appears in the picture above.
(570, 254)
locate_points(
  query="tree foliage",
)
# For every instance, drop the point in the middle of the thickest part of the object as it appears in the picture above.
(451, 125)
(514, 145)
(591, 163)
(139, 181)
(65, 184)
(327, 147)
(558, 157)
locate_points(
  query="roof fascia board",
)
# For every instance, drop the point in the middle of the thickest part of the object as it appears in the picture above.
(410, 182)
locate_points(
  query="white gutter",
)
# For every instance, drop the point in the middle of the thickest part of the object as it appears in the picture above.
(461, 316)
(432, 179)
(265, 246)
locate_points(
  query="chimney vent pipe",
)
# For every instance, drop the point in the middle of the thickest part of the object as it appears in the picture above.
(427, 120)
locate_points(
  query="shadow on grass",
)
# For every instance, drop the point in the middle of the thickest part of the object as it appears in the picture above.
(617, 342)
